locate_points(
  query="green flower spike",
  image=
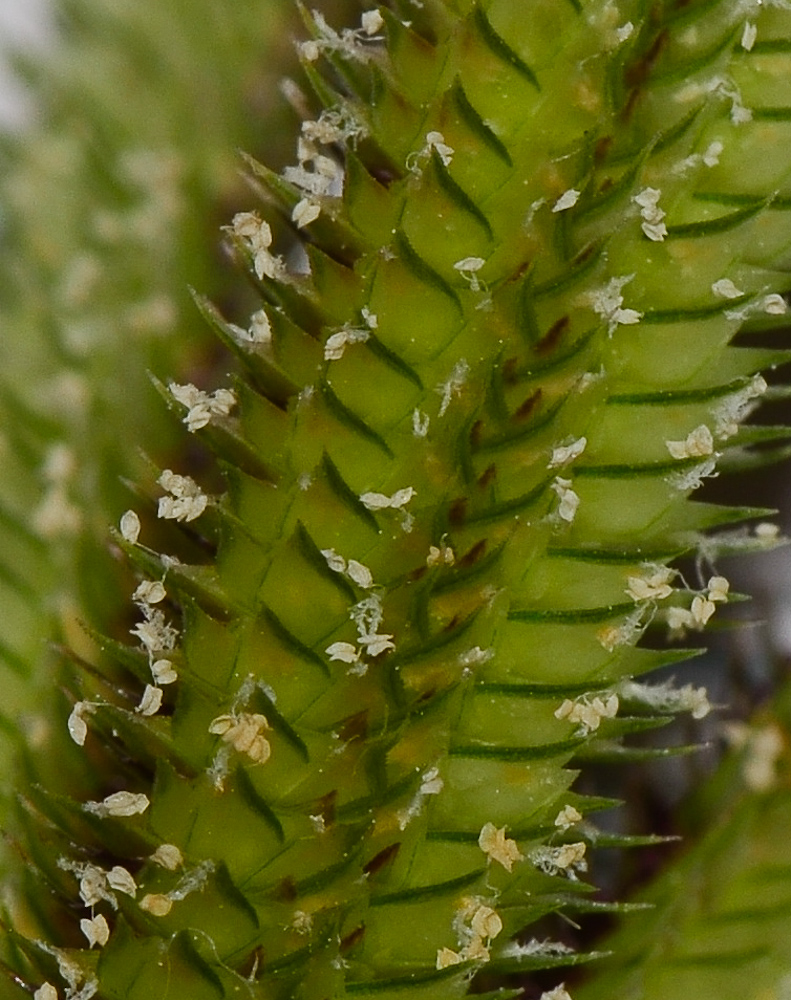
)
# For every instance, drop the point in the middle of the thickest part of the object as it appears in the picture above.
(336, 757)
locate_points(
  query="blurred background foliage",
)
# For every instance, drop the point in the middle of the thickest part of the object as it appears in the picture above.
(111, 199)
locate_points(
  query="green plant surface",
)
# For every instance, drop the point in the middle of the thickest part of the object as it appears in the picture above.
(110, 201)
(337, 757)
(720, 918)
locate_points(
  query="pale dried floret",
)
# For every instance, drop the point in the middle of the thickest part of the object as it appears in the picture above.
(697, 444)
(202, 406)
(46, 992)
(96, 930)
(476, 950)
(343, 651)
(186, 502)
(371, 22)
(567, 817)
(163, 672)
(566, 859)
(149, 592)
(436, 141)
(377, 643)
(469, 264)
(569, 501)
(749, 35)
(740, 114)
(420, 423)
(96, 884)
(335, 345)
(431, 782)
(562, 454)
(439, 555)
(249, 226)
(718, 587)
(567, 200)
(257, 236)
(774, 304)
(244, 732)
(93, 886)
(475, 656)
(468, 268)
(302, 922)
(304, 212)
(260, 330)
(157, 904)
(696, 616)
(121, 880)
(712, 153)
(588, 712)
(380, 501)
(151, 702)
(78, 730)
(367, 614)
(168, 856)
(447, 957)
(119, 804)
(607, 302)
(701, 609)
(737, 406)
(652, 585)
(648, 200)
(726, 289)
(476, 925)
(652, 215)
(156, 634)
(497, 847)
(486, 922)
(309, 50)
(679, 619)
(359, 574)
(182, 508)
(316, 176)
(130, 527)
(334, 125)
(335, 562)
(558, 993)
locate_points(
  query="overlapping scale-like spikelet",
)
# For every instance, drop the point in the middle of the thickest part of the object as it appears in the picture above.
(336, 757)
